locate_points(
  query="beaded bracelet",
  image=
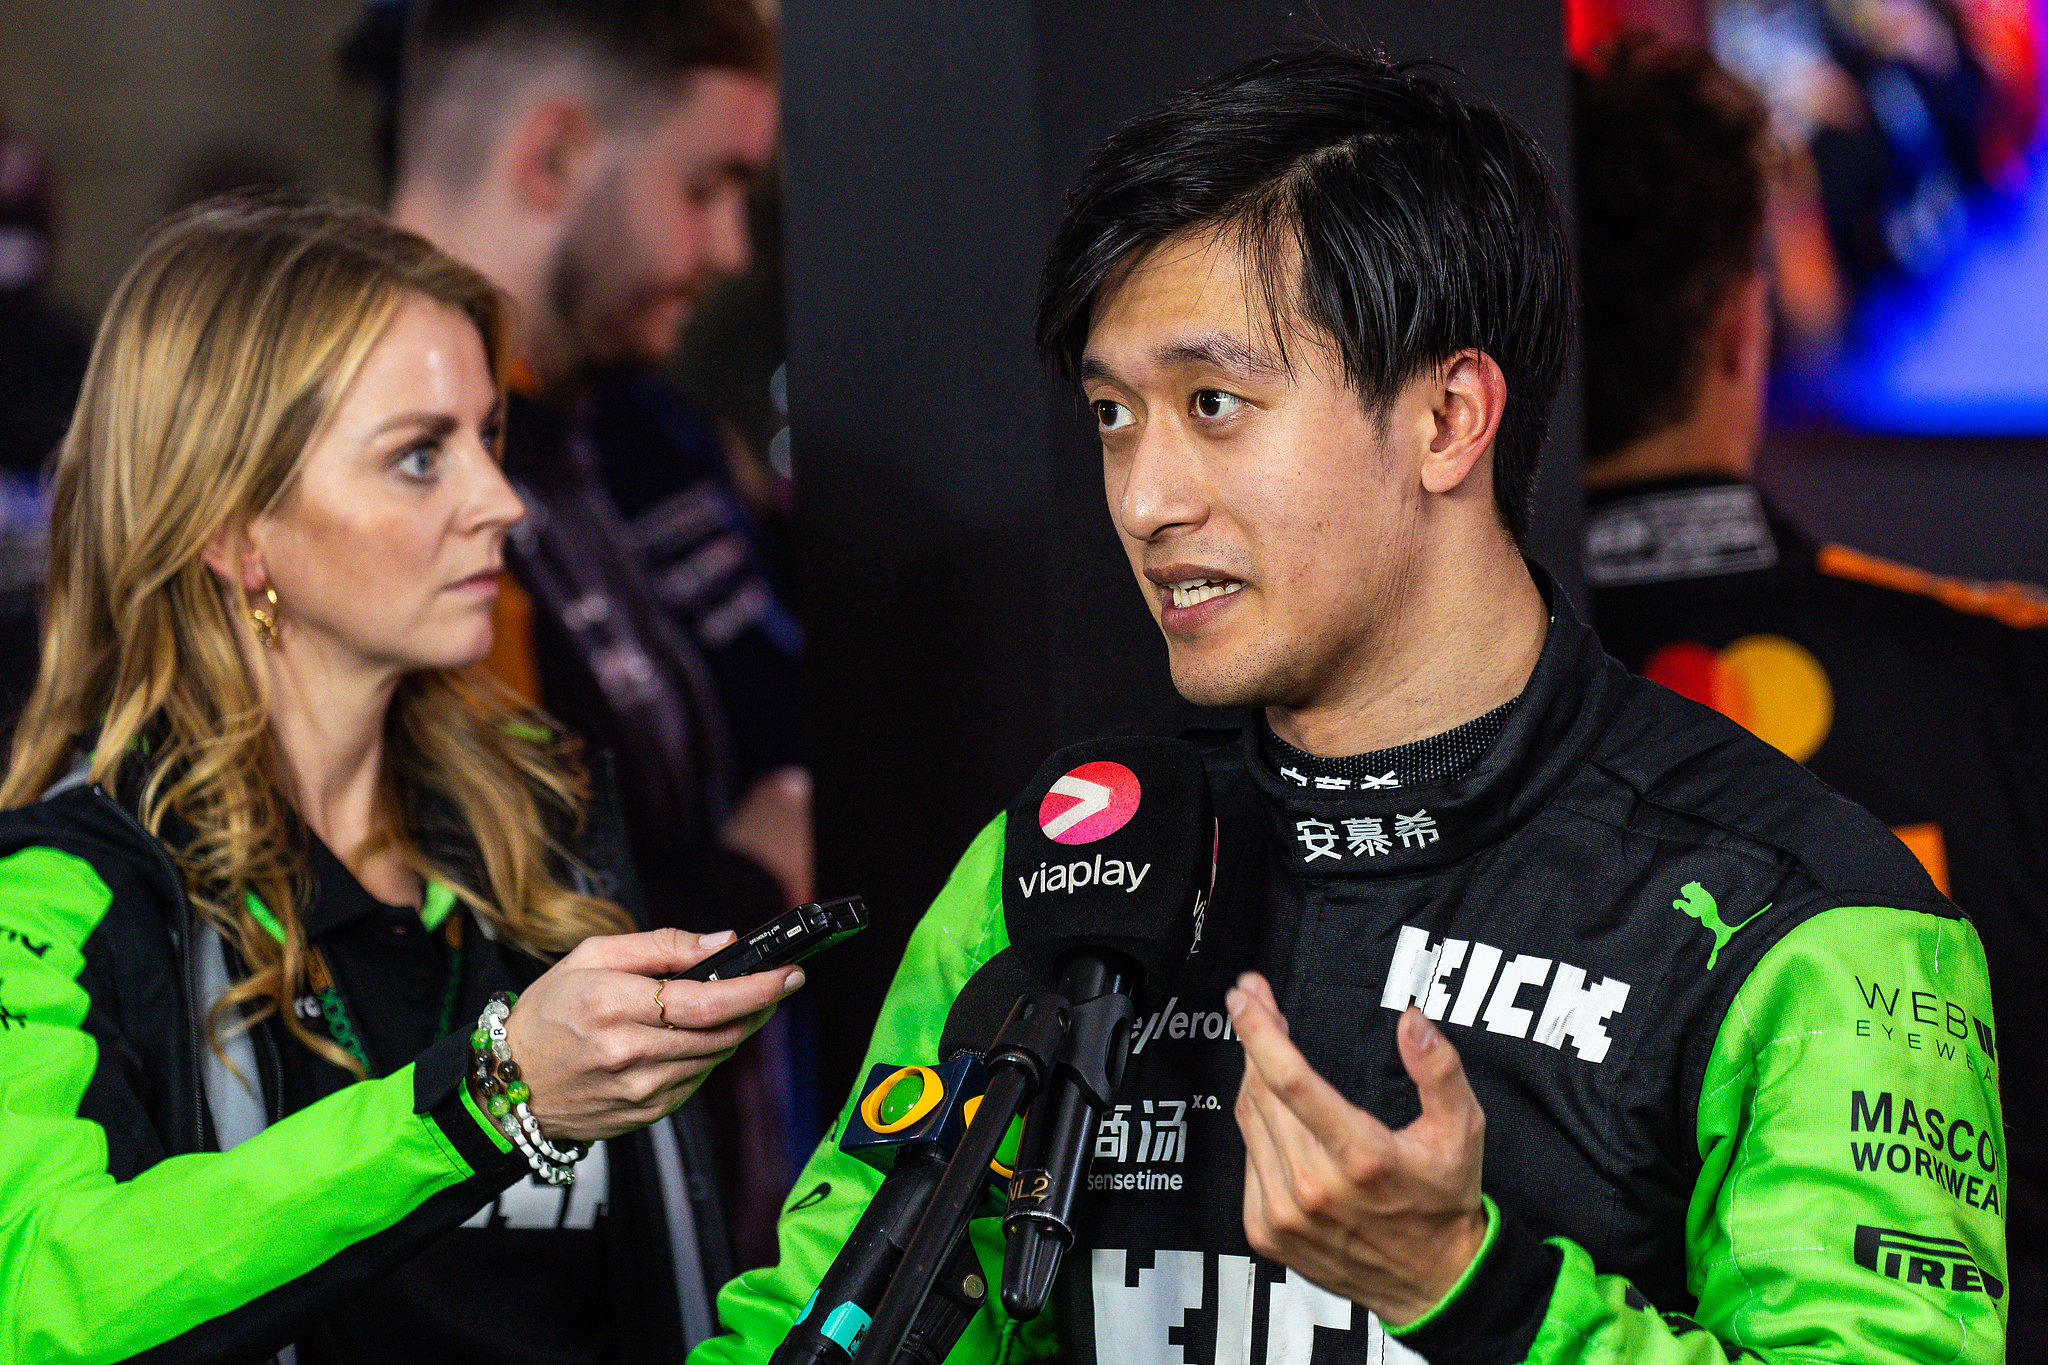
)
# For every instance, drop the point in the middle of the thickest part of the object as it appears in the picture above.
(506, 1096)
(496, 1088)
(517, 1092)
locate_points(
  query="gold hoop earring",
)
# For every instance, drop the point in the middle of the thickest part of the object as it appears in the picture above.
(264, 623)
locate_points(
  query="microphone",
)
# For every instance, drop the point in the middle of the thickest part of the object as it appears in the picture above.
(1111, 848)
(1112, 854)
(908, 1122)
(1144, 804)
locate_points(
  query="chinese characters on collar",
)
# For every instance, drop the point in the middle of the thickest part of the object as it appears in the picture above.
(1384, 782)
(1363, 836)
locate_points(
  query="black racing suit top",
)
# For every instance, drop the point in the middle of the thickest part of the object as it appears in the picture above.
(1735, 1052)
(1923, 699)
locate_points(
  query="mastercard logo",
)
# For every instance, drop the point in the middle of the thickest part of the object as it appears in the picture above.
(1770, 685)
(1091, 802)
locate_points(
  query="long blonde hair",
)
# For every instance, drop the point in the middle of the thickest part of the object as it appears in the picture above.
(226, 346)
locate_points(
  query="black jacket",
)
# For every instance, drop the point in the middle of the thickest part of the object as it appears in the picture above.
(1697, 994)
(1922, 699)
(125, 1226)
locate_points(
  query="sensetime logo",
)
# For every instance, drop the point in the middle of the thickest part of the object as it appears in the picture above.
(1091, 802)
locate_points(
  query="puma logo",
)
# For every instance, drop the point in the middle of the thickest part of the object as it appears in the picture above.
(1696, 901)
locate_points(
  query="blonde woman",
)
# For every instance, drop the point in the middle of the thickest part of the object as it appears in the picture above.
(269, 847)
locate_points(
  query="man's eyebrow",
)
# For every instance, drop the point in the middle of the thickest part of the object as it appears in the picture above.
(1221, 352)
(1093, 368)
(1215, 350)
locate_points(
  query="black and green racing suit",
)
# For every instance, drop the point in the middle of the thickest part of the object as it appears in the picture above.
(126, 1233)
(1735, 1051)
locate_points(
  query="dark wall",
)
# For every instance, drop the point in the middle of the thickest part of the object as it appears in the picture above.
(970, 609)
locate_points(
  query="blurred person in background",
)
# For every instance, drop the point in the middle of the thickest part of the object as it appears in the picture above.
(1892, 105)
(271, 843)
(1924, 699)
(593, 159)
(42, 360)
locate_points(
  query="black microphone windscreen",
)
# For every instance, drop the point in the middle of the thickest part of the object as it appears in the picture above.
(1113, 845)
(984, 1003)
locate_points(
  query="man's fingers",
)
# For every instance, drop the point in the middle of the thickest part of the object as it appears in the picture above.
(1256, 1016)
(1290, 1138)
(658, 952)
(1256, 985)
(1449, 1108)
(1266, 1179)
(1333, 1120)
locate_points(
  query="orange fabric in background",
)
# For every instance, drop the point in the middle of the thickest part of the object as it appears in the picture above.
(2019, 605)
(1926, 844)
(511, 658)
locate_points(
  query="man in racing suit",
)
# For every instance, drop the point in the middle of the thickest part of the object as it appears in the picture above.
(1539, 1014)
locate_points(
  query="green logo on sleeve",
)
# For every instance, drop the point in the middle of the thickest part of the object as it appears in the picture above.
(1696, 901)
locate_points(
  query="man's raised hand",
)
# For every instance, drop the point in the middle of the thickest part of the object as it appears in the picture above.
(1388, 1219)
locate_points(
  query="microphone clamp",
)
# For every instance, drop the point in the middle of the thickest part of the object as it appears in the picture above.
(1099, 1042)
(1059, 1136)
(1032, 1039)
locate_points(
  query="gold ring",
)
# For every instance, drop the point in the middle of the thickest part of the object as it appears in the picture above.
(660, 1008)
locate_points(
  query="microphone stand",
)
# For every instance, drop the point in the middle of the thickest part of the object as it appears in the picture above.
(913, 1145)
(952, 1304)
(1059, 1133)
(1023, 1055)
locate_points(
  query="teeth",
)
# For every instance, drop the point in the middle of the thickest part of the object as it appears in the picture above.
(1196, 590)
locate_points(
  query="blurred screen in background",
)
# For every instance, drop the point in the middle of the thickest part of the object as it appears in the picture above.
(1909, 217)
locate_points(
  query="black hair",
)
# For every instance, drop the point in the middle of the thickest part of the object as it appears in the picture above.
(1671, 154)
(1401, 219)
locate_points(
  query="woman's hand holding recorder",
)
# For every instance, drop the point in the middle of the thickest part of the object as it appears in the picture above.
(604, 1056)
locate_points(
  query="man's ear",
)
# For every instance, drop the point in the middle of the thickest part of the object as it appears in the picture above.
(551, 147)
(1742, 330)
(236, 561)
(1466, 402)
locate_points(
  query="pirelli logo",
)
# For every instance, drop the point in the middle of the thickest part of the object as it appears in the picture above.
(1938, 1262)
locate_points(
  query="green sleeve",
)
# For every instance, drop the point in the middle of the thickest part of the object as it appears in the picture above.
(197, 1256)
(1850, 1203)
(962, 930)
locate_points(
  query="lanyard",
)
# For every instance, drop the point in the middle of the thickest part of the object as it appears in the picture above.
(436, 910)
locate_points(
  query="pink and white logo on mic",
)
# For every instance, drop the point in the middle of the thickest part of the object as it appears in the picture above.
(1092, 802)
